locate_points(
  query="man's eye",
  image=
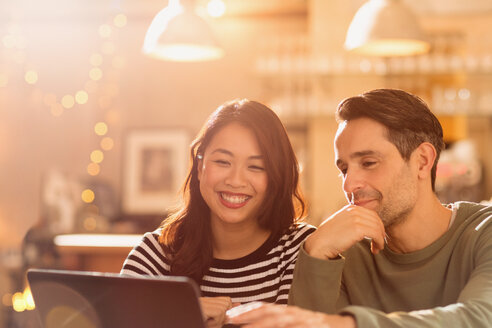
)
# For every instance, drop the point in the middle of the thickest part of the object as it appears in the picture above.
(343, 172)
(368, 164)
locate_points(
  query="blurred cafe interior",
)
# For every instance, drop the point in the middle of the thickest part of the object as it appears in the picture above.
(100, 99)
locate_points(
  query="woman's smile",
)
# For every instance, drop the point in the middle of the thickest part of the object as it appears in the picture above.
(233, 200)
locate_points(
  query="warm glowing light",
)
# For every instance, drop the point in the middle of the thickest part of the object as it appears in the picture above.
(177, 34)
(8, 41)
(4, 79)
(385, 28)
(95, 74)
(105, 31)
(56, 109)
(393, 47)
(97, 240)
(97, 156)
(81, 97)
(29, 299)
(90, 223)
(101, 128)
(68, 101)
(90, 86)
(96, 60)
(107, 48)
(120, 20)
(216, 8)
(31, 77)
(107, 143)
(49, 99)
(186, 52)
(87, 196)
(93, 169)
(464, 94)
(18, 302)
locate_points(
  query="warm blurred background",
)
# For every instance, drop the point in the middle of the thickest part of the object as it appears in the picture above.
(94, 126)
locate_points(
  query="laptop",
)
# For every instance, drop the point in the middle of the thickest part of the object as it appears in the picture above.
(81, 299)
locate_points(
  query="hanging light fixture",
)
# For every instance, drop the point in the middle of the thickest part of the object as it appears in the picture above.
(177, 33)
(385, 28)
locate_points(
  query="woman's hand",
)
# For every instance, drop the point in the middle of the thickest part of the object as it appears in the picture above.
(214, 310)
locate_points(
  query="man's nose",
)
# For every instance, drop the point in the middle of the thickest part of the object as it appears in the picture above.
(352, 181)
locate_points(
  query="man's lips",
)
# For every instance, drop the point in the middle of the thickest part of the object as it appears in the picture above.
(363, 202)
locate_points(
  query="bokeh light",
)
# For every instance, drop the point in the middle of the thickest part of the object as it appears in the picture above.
(31, 77)
(18, 302)
(107, 143)
(97, 156)
(101, 128)
(81, 97)
(68, 101)
(88, 196)
(105, 31)
(57, 109)
(96, 60)
(49, 99)
(120, 20)
(90, 223)
(216, 8)
(95, 74)
(93, 169)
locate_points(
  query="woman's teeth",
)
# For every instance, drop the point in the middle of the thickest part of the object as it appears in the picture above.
(234, 199)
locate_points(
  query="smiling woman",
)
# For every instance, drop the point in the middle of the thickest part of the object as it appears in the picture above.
(238, 233)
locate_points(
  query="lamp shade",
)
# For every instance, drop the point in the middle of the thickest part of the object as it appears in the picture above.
(178, 34)
(385, 28)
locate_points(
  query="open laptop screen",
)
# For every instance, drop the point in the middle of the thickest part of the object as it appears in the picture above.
(98, 300)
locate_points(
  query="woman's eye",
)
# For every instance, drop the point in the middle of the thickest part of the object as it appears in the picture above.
(221, 162)
(257, 168)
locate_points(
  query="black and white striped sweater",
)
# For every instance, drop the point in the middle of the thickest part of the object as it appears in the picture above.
(264, 275)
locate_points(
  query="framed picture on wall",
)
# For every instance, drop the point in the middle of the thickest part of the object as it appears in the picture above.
(155, 165)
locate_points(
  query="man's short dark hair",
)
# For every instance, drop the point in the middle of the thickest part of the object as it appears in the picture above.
(408, 119)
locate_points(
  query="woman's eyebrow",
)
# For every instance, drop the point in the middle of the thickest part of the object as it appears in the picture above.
(227, 152)
(222, 151)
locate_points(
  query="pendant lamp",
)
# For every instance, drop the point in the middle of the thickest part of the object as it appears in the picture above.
(177, 33)
(385, 28)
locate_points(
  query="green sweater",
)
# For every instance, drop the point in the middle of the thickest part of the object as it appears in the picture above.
(447, 284)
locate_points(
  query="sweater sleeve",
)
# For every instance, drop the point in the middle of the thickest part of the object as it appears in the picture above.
(317, 284)
(146, 258)
(472, 309)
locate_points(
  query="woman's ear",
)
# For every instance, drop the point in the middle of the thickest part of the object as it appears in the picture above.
(425, 157)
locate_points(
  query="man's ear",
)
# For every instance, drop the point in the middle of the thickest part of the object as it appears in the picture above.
(425, 158)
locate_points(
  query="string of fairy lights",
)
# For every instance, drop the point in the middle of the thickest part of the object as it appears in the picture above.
(101, 87)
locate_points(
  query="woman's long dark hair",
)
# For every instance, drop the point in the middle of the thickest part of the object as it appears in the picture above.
(186, 234)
